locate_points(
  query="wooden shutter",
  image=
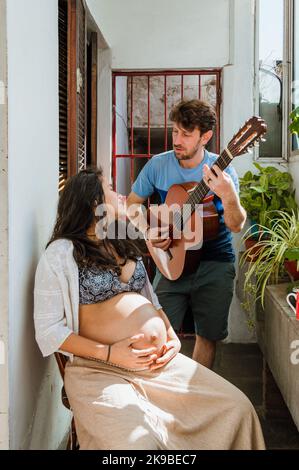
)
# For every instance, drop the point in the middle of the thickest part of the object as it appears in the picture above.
(63, 92)
(77, 59)
(94, 98)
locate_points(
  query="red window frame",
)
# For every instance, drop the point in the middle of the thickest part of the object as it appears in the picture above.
(148, 74)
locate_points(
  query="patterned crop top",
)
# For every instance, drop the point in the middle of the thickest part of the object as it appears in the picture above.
(96, 285)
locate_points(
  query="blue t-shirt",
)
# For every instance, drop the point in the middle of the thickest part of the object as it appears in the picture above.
(164, 170)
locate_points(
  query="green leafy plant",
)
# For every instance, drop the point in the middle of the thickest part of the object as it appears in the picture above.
(249, 299)
(294, 117)
(268, 190)
(281, 242)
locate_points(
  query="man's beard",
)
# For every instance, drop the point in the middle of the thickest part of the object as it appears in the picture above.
(190, 155)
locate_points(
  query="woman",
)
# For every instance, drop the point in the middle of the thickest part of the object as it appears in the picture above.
(127, 383)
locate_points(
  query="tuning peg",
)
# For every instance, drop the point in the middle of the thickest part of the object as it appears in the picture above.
(263, 140)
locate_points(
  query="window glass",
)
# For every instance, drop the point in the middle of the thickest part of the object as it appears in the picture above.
(271, 14)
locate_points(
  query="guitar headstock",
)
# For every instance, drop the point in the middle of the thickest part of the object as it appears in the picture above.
(250, 134)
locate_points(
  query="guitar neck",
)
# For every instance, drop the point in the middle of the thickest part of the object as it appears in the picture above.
(201, 190)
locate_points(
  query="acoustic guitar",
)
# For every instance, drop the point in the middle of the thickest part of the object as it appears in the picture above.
(189, 216)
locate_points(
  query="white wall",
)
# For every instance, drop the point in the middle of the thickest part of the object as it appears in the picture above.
(149, 35)
(37, 418)
(192, 34)
(164, 34)
(104, 111)
(3, 235)
(238, 106)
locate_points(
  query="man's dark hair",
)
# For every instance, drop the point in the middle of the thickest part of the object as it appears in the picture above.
(194, 114)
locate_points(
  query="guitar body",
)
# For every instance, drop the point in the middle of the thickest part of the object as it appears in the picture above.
(201, 225)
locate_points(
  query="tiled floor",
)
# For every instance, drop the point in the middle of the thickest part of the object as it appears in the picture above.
(241, 364)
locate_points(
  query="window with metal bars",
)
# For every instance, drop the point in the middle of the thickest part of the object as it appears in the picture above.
(141, 105)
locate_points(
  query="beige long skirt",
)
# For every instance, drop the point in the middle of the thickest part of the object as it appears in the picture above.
(182, 405)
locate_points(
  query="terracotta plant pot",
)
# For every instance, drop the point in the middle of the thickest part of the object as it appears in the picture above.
(254, 252)
(291, 269)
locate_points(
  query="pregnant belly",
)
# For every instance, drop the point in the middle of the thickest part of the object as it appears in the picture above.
(123, 316)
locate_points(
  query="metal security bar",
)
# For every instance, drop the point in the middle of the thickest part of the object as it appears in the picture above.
(141, 105)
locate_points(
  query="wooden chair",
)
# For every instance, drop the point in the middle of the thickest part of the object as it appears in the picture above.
(72, 443)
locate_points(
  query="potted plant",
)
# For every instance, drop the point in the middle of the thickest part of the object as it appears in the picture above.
(268, 190)
(291, 263)
(272, 241)
(278, 245)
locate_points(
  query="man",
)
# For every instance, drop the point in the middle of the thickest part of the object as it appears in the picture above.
(209, 289)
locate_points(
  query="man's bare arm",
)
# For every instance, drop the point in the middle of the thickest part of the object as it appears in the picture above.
(234, 214)
(135, 212)
(221, 184)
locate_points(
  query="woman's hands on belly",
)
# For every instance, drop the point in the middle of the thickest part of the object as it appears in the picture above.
(143, 349)
(124, 354)
(154, 334)
(123, 318)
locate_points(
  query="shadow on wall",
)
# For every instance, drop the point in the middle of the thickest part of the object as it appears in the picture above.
(38, 418)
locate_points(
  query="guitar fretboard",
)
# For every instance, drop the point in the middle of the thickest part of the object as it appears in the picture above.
(198, 194)
(201, 190)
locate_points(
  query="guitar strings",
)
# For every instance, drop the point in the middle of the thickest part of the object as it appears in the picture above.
(179, 219)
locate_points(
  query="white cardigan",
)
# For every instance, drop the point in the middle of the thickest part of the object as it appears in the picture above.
(56, 297)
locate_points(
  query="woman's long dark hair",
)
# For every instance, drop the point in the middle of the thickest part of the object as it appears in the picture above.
(75, 214)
